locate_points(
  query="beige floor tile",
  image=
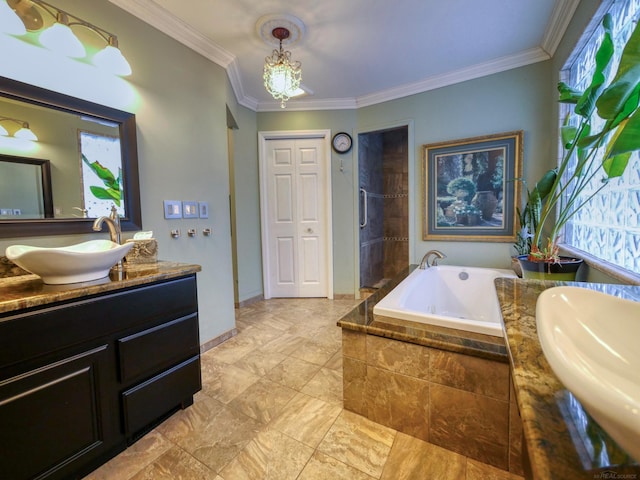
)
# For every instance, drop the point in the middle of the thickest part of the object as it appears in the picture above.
(133, 459)
(358, 442)
(411, 458)
(263, 400)
(284, 347)
(270, 455)
(224, 381)
(324, 467)
(335, 362)
(176, 464)
(212, 438)
(233, 349)
(315, 352)
(481, 471)
(259, 362)
(293, 373)
(285, 344)
(325, 385)
(307, 419)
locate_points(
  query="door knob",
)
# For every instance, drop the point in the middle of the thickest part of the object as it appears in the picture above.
(309, 230)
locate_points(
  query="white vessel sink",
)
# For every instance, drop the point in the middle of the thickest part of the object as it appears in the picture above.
(591, 342)
(82, 262)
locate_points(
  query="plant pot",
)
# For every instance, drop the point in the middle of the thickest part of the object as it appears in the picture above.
(486, 201)
(564, 270)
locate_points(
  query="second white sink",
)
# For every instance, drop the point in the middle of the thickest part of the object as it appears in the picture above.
(82, 262)
(591, 342)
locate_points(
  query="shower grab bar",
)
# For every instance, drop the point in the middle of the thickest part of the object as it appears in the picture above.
(365, 196)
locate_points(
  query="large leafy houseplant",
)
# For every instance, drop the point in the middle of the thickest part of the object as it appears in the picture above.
(587, 154)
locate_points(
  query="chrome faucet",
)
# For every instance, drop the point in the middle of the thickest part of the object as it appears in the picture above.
(113, 224)
(427, 261)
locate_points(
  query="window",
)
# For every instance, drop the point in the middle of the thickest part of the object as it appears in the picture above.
(609, 226)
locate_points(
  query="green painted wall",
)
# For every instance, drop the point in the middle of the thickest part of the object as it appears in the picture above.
(182, 148)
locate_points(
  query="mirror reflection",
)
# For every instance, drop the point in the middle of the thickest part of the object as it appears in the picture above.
(84, 152)
(25, 188)
(92, 156)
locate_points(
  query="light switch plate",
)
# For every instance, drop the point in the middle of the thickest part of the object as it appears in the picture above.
(190, 209)
(172, 209)
(203, 208)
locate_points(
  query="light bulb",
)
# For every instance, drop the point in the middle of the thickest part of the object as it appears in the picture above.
(110, 58)
(25, 133)
(60, 39)
(10, 22)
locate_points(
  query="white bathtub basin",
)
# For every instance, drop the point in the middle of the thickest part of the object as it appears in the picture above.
(82, 262)
(450, 296)
(591, 342)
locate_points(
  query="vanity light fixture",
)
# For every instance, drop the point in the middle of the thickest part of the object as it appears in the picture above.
(9, 22)
(59, 37)
(23, 133)
(281, 74)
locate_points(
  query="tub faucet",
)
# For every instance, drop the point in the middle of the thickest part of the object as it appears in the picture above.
(427, 261)
(113, 224)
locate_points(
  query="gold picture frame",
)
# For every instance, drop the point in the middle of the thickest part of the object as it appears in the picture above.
(470, 188)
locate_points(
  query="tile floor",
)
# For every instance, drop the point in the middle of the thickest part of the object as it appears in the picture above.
(271, 408)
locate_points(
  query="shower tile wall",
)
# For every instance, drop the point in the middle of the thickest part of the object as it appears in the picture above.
(396, 201)
(384, 242)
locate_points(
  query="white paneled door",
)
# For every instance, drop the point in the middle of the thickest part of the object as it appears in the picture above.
(295, 198)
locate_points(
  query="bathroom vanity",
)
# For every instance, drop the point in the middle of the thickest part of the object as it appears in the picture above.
(86, 369)
(560, 439)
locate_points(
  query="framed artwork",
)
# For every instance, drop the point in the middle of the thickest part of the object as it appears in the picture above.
(470, 188)
(101, 173)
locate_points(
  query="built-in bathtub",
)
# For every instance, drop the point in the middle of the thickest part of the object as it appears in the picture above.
(446, 385)
(457, 297)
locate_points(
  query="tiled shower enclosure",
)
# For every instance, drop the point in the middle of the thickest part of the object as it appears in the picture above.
(384, 204)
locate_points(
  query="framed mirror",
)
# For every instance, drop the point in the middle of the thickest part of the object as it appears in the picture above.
(93, 160)
(25, 188)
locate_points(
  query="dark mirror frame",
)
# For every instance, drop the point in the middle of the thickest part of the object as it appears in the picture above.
(128, 141)
(45, 178)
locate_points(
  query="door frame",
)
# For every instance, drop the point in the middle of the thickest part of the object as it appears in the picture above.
(263, 138)
(413, 188)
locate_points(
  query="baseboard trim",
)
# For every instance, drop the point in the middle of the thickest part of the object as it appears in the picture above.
(344, 296)
(249, 301)
(214, 342)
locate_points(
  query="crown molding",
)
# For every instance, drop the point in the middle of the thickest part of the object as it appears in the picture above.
(161, 19)
(502, 64)
(560, 17)
(297, 105)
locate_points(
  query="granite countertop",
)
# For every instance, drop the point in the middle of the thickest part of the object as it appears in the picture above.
(362, 319)
(28, 291)
(562, 440)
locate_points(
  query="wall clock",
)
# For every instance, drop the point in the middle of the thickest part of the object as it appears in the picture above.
(342, 142)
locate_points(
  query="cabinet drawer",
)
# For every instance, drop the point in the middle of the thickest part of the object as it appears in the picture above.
(57, 327)
(150, 351)
(150, 400)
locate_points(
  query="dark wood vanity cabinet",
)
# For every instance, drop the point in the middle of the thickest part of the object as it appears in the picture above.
(80, 380)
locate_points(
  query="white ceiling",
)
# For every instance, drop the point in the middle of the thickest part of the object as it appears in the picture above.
(362, 52)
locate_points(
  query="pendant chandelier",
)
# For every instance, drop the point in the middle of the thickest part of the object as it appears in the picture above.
(281, 74)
